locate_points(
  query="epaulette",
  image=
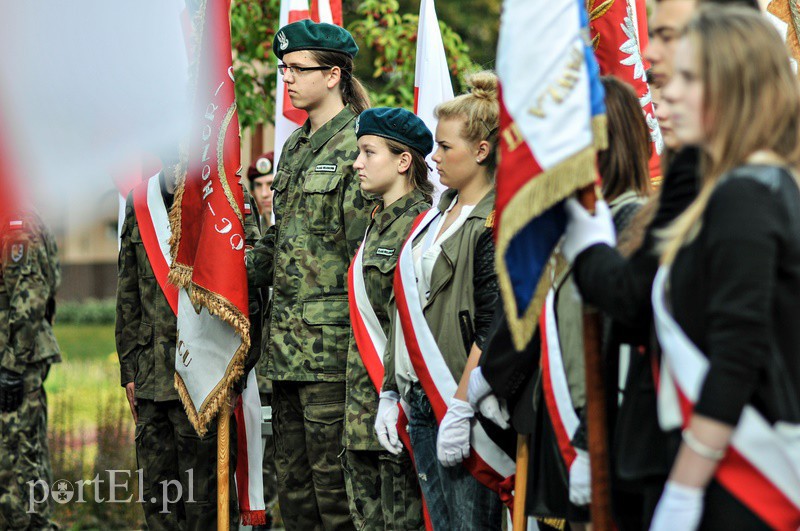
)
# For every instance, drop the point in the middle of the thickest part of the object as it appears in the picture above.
(490, 219)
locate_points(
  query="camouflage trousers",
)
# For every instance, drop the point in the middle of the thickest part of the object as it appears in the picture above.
(268, 463)
(174, 459)
(308, 419)
(383, 491)
(24, 457)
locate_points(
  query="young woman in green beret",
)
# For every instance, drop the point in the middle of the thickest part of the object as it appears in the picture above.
(320, 218)
(382, 485)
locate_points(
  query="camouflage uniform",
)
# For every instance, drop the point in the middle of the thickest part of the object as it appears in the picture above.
(382, 488)
(320, 218)
(167, 446)
(30, 276)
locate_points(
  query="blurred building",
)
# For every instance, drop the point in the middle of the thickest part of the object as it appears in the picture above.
(89, 253)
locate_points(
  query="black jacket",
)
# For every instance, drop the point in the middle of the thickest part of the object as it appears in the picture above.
(620, 288)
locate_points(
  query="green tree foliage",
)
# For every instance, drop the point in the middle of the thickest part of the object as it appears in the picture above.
(390, 39)
(384, 29)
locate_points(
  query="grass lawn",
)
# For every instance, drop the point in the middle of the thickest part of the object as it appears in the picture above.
(88, 375)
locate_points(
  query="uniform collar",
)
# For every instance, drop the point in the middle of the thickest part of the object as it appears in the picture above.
(383, 218)
(326, 132)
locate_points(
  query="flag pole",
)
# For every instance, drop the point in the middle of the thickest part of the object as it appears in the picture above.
(520, 521)
(597, 425)
(223, 457)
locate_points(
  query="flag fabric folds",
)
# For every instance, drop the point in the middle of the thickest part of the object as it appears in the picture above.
(619, 36)
(208, 263)
(552, 118)
(432, 84)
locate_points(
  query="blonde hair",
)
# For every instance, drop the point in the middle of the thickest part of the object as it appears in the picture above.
(480, 110)
(751, 103)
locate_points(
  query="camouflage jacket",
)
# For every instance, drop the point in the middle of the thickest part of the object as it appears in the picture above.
(320, 218)
(387, 232)
(146, 326)
(31, 275)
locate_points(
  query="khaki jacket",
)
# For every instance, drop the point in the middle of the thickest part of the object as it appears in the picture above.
(451, 307)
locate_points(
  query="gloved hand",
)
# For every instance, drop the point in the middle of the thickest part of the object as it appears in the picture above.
(11, 391)
(584, 230)
(477, 388)
(386, 422)
(495, 409)
(580, 480)
(452, 444)
(680, 507)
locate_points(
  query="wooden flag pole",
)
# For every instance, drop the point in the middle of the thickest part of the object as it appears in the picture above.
(597, 424)
(223, 457)
(520, 520)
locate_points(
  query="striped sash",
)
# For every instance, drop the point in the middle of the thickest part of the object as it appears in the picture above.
(761, 467)
(488, 462)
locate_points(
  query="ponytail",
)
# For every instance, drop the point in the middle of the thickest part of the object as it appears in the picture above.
(353, 92)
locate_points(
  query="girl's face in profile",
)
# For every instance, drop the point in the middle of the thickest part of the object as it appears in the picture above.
(684, 96)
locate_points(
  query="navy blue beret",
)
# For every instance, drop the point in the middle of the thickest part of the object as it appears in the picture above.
(396, 124)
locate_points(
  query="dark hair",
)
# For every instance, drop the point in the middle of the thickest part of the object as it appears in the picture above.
(624, 165)
(418, 171)
(353, 92)
(744, 3)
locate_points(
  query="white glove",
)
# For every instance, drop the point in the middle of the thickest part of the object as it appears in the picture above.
(477, 388)
(452, 444)
(584, 230)
(495, 409)
(386, 422)
(580, 480)
(680, 507)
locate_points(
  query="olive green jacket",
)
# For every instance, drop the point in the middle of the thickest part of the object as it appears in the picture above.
(29, 278)
(451, 309)
(387, 233)
(146, 326)
(320, 219)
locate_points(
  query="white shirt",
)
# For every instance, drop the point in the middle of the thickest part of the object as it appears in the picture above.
(426, 252)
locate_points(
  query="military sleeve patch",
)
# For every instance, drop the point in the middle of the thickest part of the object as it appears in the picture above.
(383, 251)
(247, 208)
(15, 224)
(17, 252)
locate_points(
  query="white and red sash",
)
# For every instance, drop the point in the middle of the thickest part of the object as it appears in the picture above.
(761, 467)
(487, 461)
(153, 220)
(371, 342)
(555, 386)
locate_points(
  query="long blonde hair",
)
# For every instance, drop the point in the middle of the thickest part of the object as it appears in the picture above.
(751, 103)
(480, 110)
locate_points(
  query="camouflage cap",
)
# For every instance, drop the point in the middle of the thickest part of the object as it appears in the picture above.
(310, 35)
(397, 124)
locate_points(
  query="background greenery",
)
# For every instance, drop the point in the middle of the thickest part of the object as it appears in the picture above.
(385, 31)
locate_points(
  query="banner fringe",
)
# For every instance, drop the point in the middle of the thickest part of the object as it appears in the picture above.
(253, 518)
(532, 200)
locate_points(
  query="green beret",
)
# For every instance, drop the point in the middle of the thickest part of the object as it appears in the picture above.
(309, 35)
(397, 124)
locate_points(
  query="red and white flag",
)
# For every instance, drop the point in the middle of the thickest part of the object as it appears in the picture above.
(287, 116)
(432, 85)
(619, 35)
(208, 265)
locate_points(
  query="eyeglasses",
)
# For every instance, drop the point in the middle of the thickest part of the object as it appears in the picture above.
(294, 70)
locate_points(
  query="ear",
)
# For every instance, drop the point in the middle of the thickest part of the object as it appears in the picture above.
(334, 77)
(483, 150)
(405, 162)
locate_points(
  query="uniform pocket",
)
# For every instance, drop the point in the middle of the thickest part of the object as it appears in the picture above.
(328, 333)
(324, 426)
(323, 200)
